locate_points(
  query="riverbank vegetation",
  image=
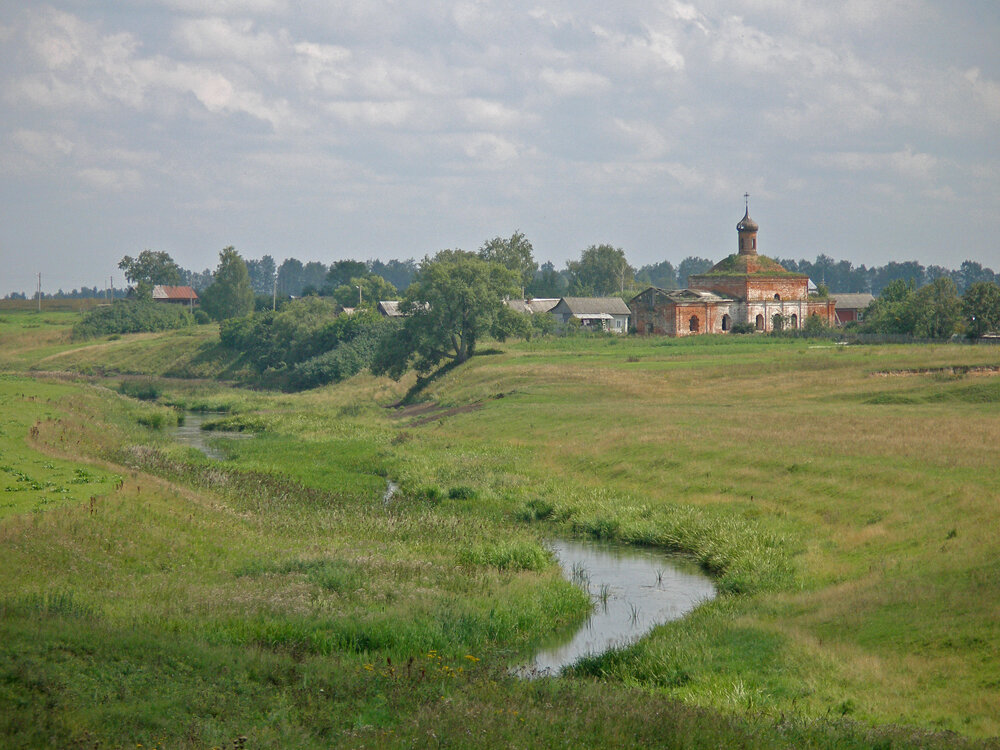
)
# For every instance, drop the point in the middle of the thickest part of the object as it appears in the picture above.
(842, 497)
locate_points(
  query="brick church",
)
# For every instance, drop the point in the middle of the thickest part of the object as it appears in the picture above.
(743, 288)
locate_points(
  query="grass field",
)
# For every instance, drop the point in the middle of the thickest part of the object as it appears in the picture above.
(846, 499)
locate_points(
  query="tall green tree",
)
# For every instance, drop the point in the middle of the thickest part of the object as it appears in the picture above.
(601, 271)
(290, 277)
(342, 271)
(892, 312)
(230, 294)
(981, 308)
(372, 289)
(455, 299)
(514, 253)
(548, 282)
(691, 266)
(936, 309)
(662, 275)
(149, 269)
(262, 274)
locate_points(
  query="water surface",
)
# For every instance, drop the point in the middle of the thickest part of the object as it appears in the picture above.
(633, 591)
(190, 433)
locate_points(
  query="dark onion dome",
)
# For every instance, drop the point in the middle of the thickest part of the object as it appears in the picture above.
(747, 224)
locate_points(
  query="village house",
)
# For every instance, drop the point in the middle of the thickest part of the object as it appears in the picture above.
(851, 306)
(175, 295)
(608, 313)
(745, 288)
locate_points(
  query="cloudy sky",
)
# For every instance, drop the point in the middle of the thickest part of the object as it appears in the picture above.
(326, 129)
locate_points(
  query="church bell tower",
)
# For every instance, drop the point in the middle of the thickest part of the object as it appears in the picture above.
(747, 229)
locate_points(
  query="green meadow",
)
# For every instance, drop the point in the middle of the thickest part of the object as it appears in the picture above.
(845, 499)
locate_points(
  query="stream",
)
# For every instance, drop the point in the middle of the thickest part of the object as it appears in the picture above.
(190, 433)
(633, 590)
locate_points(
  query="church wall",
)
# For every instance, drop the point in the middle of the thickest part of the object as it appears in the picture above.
(753, 288)
(801, 309)
(734, 287)
(786, 288)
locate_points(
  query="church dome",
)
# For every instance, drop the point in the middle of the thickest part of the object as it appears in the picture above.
(747, 224)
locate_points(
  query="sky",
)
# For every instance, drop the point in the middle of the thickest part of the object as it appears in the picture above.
(329, 129)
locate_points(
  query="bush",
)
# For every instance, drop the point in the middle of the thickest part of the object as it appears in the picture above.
(743, 328)
(307, 344)
(201, 317)
(127, 316)
(144, 390)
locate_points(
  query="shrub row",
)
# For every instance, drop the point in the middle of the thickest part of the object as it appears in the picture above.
(127, 316)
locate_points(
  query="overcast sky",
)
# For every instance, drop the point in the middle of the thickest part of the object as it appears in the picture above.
(327, 129)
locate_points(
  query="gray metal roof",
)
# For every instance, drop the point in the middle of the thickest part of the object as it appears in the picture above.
(389, 308)
(595, 305)
(852, 300)
(533, 306)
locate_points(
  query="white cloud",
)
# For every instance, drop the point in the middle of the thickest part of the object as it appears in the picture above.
(113, 180)
(648, 139)
(574, 82)
(906, 162)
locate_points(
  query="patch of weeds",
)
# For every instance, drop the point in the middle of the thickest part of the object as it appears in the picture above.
(536, 509)
(512, 555)
(53, 604)
(462, 492)
(430, 494)
(142, 389)
(338, 576)
(602, 528)
(236, 423)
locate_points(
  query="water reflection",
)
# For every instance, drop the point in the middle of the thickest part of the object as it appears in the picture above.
(190, 433)
(633, 591)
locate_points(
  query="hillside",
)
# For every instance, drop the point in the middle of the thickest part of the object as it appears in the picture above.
(844, 499)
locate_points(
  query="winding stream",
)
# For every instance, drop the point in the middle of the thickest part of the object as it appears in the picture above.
(633, 591)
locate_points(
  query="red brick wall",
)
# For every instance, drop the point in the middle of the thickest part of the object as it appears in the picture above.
(753, 288)
(786, 288)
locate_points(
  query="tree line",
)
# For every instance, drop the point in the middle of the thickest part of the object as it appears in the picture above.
(601, 270)
(935, 310)
(453, 300)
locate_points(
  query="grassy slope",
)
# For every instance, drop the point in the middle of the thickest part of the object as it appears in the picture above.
(890, 510)
(859, 530)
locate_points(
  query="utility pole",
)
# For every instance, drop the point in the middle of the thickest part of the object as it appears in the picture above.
(274, 295)
(359, 295)
(39, 292)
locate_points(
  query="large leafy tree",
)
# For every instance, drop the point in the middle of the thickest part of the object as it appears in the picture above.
(981, 308)
(602, 270)
(455, 300)
(149, 269)
(691, 266)
(372, 289)
(262, 274)
(892, 312)
(399, 273)
(290, 277)
(662, 275)
(230, 294)
(342, 271)
(548, 282)
(514, 253)
(936, 309)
